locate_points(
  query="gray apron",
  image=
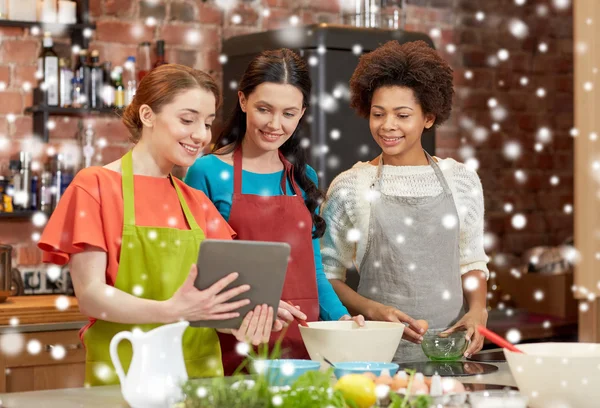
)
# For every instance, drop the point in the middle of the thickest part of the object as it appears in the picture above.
(411, 261)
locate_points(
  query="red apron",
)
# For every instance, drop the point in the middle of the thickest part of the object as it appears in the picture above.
(281, 218)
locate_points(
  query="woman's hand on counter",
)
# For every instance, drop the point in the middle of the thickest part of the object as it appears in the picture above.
(191, 304)
(469, 323)
(256, 326)
(359, 319)
(383, 313)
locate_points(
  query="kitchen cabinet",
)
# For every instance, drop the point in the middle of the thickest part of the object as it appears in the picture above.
(59, 361)
(39, 339)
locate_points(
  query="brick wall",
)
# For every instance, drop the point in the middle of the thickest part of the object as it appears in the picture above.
(469, 33)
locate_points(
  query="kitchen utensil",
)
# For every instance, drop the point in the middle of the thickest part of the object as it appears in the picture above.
(328, 362)
(359, 367)
(557, 374)
(5, 272)
(494, 338)
(301, 322)
(284, 372)
(347, 341)
(447, 348)
(157, 368)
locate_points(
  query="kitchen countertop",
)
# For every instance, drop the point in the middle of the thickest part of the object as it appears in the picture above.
(110, 397)
(40, 313)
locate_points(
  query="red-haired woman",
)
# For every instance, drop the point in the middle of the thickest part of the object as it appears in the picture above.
(132, 232)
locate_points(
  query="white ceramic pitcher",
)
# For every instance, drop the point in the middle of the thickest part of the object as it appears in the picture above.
(157, 367)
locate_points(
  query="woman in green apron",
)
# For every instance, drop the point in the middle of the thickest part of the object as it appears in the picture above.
(132, 232)
(412, 224)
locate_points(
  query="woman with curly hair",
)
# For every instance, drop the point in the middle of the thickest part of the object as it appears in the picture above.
(260, 182)
(411, 224)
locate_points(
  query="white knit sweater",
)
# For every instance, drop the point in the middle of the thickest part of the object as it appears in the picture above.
(347, 210)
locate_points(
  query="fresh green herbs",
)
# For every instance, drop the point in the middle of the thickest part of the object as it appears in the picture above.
(311, 390)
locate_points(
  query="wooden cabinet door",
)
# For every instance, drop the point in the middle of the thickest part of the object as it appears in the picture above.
(43, 369)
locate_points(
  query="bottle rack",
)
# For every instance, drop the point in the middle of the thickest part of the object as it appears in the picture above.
(79, 36)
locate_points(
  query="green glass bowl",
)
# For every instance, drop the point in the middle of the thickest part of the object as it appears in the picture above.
(449, 348)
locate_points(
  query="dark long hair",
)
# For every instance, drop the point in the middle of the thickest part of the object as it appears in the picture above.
(281, 66)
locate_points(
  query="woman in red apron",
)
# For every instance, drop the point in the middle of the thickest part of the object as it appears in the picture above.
(132, 232)
(259, 181)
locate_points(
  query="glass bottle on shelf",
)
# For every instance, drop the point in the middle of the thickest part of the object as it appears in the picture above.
(25, 189)
(46, 190)
(108, 86)
(48, 72)
(144, 64)
(66, 83)
(82, 73)
(77, 96)
(96, 81)
(160, 54)
(87, 139)
(14, 186)
(119, 88)
(129, 80)
(57, 180)
(3, 16)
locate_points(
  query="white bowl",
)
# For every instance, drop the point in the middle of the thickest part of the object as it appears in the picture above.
(557, 375)
(346, 341)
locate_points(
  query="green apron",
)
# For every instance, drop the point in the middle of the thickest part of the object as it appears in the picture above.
(154, 263)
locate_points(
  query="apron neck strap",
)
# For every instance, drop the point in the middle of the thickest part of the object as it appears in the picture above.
(438, 173)
(127, 186)
(191, 220)
(129, 199)
(432, 163)
(288, 174)
(237, 172)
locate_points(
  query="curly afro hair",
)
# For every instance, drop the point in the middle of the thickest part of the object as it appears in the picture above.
(413, 65)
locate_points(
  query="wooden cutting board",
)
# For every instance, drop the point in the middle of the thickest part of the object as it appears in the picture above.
(40, 309)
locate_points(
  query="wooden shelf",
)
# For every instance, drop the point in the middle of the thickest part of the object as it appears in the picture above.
(53, 27)
(17, 215)
(54, 110)
(42, 113)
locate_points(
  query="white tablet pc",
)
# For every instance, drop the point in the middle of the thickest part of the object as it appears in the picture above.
(262, 265)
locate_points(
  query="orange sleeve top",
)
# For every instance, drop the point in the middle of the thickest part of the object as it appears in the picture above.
(91, 213)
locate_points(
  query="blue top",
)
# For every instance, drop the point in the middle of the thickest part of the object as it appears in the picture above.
(215, 178)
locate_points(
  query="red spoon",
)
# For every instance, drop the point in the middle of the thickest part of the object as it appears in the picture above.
(499, 341)
(300, 321)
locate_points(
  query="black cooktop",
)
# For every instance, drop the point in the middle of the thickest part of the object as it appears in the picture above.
(449, 368)
(489, 356)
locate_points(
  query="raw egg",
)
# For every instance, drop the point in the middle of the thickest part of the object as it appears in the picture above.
(400, 381)
(384, 379)
(423, 324)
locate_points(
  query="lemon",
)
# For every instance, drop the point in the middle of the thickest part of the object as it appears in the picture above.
(357, 388)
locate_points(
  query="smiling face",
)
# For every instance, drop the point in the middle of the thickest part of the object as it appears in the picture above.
(182, 128)
(272, 114)
(397, 121)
